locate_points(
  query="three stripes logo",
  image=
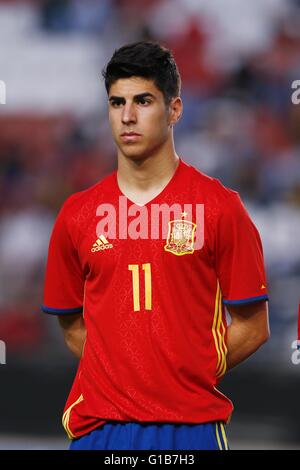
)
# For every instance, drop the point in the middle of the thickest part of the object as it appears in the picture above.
(101, 244)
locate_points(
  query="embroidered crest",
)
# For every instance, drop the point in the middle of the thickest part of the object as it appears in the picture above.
(180, 240)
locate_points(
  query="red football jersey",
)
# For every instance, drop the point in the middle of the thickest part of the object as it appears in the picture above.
(152, 282)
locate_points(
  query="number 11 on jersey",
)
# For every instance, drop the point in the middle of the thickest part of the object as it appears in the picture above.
(135, 269)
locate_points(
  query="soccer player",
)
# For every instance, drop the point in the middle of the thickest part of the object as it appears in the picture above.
(140, 268)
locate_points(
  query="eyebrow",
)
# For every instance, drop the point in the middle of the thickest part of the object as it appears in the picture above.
(136, 97)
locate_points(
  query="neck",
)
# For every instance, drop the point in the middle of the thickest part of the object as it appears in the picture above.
(147, 173)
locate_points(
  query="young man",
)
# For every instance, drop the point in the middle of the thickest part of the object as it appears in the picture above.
(140, 267)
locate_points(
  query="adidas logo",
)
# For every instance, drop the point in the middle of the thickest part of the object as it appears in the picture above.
(101, 244)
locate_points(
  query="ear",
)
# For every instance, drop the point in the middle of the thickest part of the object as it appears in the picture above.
(175, 110)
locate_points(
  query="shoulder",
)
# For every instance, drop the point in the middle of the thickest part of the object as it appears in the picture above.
(208, 187)
(221, 204)
(90, 197)
(80, 208)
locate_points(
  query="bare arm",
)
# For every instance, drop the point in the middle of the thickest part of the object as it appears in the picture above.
(74, 332)
(248, 330)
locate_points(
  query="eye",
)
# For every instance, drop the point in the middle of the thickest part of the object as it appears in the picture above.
(144, 101)
(116, 103)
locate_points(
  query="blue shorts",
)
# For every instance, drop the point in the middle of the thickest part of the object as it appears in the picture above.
(119, 435)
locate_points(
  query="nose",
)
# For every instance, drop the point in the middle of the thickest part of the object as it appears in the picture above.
(128, 114)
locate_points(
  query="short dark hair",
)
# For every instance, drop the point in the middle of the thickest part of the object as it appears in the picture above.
(147, 59)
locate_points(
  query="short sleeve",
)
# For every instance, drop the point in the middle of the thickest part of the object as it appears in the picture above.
(239, 255)
(64, 278)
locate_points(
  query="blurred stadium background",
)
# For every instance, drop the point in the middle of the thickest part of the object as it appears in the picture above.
(238, 61)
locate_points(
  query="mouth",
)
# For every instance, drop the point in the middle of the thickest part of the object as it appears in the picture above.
(130, 136)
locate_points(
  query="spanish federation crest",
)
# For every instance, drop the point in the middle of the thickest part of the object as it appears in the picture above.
(180, 240)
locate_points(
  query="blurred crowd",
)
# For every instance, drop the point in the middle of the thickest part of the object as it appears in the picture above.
(237, 63)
